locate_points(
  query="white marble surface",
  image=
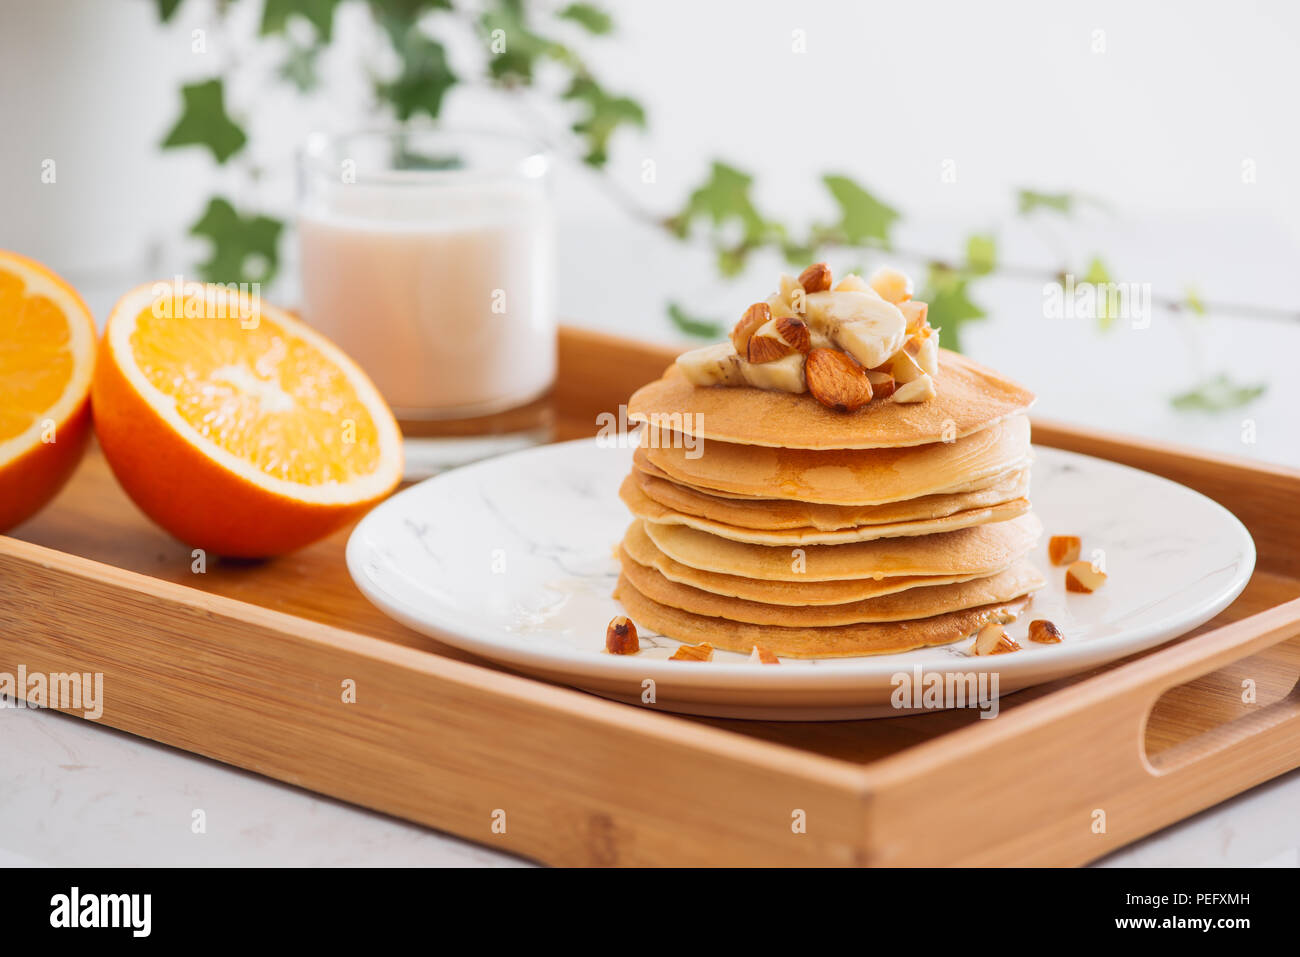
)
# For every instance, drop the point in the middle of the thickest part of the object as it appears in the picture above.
(81, 795)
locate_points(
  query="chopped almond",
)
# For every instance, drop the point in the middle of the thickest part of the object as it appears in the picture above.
(891, 284)
(904, 367)
(994, 640)
(1063, 549)
(764, 348)
(816, 278)
(762, 656)
(915, 313)
(920, 389)
(701, 652)
(1044, 632)
(1084, 577)
(794, 332)
(621, 637)
(882, 384)
(836, 381)
(755, 316)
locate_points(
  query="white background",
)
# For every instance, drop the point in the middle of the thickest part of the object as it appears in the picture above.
(1159, 125)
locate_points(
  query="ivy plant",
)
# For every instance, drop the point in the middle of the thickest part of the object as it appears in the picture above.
(521, 43)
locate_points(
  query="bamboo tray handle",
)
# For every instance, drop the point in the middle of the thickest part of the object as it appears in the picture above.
(1258, 735)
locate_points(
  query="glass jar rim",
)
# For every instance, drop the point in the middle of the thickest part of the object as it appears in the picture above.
(324, 152)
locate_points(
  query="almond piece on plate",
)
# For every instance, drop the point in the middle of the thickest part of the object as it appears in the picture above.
(1084, 577)
(816, 278)
(701, 652)
(762, 656)
(620, 636)
(1044, 632)
(755, 316)
(920, 389)
(794, 332)
(891, 284)
(1063, 549)
(836, 381)
(882, 384)
(994, 640)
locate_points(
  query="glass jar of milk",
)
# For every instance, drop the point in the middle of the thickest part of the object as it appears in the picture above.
(429, 257)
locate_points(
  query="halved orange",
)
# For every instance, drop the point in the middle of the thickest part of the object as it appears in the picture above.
(47, 354)
(235, 426)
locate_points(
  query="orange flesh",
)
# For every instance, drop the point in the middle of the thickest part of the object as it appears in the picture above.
(262, 394)
(36, 361)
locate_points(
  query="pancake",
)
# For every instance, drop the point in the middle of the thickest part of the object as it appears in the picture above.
(644, 507)
(774, 514)
(638, 546)
(981, 550)
(834, 641)
(1018, 580)
(838, 476)
(970, 399)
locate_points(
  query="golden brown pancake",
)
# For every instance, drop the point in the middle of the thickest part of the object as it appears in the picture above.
(638, 546)
(1020, 579)
(842, 477)
(644, 507)
(970, 399)
(983, 549)
(774, 514)
(833, 641)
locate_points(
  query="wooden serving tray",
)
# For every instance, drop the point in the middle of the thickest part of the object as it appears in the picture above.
(245, 663)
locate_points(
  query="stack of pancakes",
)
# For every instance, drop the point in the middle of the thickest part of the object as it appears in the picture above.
(764, 519)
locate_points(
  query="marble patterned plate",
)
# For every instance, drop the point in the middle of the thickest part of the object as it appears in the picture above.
(512, 559)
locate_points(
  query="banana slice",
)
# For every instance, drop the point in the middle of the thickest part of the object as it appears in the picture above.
(785, 375)
(720, 365)
(861, 323)
(712, 365)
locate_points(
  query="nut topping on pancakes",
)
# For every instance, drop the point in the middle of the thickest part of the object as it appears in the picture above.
(847, 343)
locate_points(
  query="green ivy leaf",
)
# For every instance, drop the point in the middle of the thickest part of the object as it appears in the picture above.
(523, 48)
(1030, 201)
(244, 249)
(594, 19)
(731, 260)
(1099, 276)
(722, 199)
(950, 306)
(204, 122)
(695, 326)
(981, 255)
(1217, 394)
(425, 78)
(605, 114)
(320, 13)
(166, 8)
(864, 219)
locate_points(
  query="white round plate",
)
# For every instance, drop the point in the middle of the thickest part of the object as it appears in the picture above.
(513, 559)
